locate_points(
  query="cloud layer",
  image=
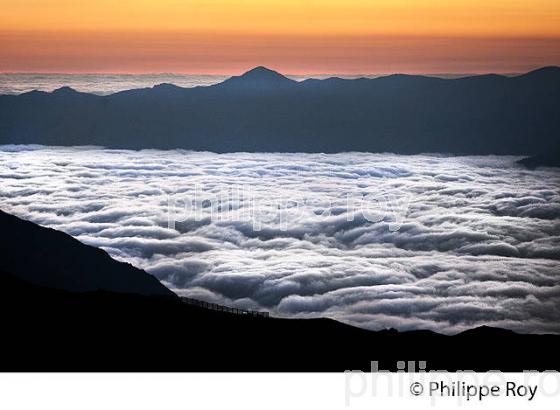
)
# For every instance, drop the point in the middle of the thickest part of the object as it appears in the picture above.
(464, 241)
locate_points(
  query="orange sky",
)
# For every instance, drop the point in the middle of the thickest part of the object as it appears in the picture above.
(293, 36)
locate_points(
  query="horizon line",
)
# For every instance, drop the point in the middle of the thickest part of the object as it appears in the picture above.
(292, 74)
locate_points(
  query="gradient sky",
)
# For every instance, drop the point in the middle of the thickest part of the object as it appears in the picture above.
(293, 36)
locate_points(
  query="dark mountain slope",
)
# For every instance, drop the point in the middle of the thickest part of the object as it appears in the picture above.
(549, 159)
(56, 330)
(53, 259)
(265, 111)
(53, 330)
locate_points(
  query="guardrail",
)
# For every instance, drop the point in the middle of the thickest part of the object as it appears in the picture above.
(222, 308)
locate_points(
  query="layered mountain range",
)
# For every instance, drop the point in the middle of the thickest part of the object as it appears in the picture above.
(264, 111)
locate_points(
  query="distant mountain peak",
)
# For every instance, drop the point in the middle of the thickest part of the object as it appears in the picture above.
(64, 91)
(263, 73)
(166, 86)
(550, 71)
(166, 89)
(261, 77)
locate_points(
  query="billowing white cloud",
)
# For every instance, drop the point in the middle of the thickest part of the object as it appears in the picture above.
(376, 240)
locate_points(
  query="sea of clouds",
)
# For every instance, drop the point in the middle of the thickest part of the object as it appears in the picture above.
(104, 84)
(100, 84)
(375, 240)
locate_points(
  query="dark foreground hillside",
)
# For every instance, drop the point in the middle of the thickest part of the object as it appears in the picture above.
(53, 259)
(53, 330)
(45, 329)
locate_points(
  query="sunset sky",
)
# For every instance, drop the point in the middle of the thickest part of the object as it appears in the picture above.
(292, 36)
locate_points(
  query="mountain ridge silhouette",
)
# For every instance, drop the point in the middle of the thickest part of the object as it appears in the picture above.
(53, 324)
(52, 259)
(264, 111)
